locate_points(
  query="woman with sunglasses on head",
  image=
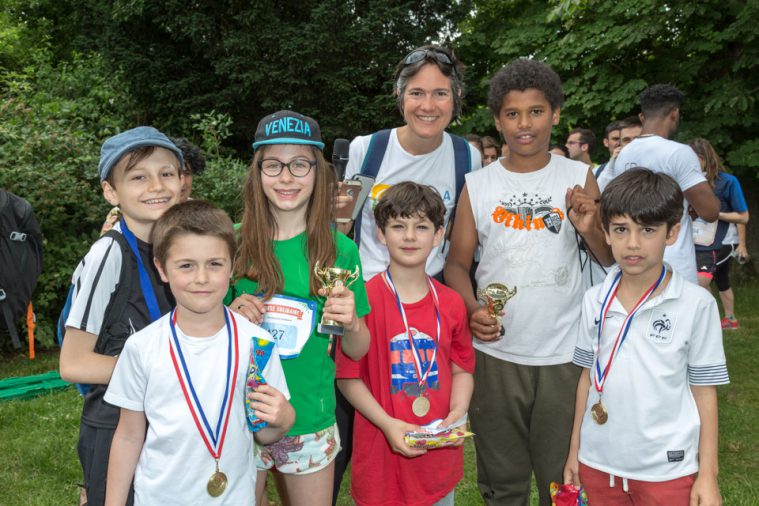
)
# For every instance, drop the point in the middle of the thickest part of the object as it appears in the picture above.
(429, 89)
(286, 235)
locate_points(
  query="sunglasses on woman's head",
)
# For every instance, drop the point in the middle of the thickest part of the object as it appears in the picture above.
(418, 55)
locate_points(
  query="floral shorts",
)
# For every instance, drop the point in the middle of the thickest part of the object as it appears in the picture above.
(302, 454)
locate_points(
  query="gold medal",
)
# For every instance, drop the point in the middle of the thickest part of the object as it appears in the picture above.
(420, 406)
(217, 483)
(599, 413)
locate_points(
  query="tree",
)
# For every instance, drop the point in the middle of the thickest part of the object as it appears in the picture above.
(607, 52)
(329, 59)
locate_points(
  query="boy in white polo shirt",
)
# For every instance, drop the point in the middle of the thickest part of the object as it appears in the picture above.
(645, 429)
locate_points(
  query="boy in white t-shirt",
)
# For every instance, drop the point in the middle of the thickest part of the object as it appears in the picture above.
(181, 381)
(650, 343)
(524, 211)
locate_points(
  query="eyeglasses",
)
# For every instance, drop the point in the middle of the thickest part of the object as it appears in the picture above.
(418, 55)
(300, 167)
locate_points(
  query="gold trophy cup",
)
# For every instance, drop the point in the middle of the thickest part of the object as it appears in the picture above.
(330, 278)
(495, 296)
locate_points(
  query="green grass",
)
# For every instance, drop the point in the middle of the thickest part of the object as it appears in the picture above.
(40, 465)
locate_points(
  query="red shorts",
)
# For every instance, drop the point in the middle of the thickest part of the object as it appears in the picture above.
(645, 493)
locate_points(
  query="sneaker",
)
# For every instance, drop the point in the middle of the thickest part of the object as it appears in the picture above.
(728, 324)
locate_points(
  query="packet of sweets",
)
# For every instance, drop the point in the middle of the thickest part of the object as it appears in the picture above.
(260, 352)
(568, 495)
(431, 441)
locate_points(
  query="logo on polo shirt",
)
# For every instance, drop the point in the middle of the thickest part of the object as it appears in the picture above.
(661, 326)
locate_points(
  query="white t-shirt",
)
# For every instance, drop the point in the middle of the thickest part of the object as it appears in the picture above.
(681, 163)
(437, 169)
(175, 465)
(674, 341)
(529, 243)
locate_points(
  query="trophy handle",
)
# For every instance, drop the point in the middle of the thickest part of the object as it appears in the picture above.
(353, 277)
(319, 272)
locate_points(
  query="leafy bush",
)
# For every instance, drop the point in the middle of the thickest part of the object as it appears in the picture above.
(52, 121)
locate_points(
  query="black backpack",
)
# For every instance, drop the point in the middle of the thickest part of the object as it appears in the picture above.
(20, 260)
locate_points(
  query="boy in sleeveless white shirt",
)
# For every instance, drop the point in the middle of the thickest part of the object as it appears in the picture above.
(524, 212)
(650, 344)
(181, 382)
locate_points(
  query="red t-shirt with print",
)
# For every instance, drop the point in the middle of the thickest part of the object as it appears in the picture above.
(379, 476)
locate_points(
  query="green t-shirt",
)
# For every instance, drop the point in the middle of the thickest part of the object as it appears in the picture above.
(311, 375)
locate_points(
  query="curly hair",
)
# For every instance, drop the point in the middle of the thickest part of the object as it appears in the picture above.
(520, 75)
(660, 99)
(193, 156)
(404, 72)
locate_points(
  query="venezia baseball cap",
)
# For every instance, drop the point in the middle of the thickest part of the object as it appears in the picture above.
(119, 145)
(288, 127)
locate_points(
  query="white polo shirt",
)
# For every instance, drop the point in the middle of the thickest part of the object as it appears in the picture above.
(674, 341)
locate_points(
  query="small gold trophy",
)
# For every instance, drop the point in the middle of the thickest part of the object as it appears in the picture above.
(495, 296)
(330, 278)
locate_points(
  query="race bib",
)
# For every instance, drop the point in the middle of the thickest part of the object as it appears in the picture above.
(290, 321)
(704, 232)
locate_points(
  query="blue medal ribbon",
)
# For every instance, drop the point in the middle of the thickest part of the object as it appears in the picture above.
(147, 287)
(214, 449)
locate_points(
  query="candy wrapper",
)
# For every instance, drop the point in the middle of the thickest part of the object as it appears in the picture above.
(433, 436)
(260, 352)
(568, 495)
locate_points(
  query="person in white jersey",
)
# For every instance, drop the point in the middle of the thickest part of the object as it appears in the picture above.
(650, 344)
(654, 149)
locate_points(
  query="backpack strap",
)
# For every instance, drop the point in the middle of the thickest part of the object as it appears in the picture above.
(462, 159)
(10, 322)
(370, 167)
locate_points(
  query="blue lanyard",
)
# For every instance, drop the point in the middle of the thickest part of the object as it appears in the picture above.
(147, 287)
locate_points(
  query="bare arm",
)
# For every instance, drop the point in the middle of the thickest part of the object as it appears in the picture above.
(572, 466)
(80, 364)
(362, 399)
(271, 406)
(584, 215)
(125, 452)
(702, 199)
(705, 489)
(457, 265)
(734, 217)
(741, 249)
(462, 386)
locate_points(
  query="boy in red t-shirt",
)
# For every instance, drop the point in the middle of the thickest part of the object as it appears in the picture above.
(419, 365)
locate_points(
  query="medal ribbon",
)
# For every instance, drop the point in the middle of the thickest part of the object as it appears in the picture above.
(216, 443)
(147, 288)
(415, 352)
(599, 379)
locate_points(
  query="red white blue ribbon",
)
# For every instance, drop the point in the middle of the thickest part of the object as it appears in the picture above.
(415, 352)
(212, 437)
(599, 379)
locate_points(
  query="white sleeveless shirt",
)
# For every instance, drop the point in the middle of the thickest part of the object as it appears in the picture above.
(528, 242)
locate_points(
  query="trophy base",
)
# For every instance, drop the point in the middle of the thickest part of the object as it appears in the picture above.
(332, 330)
